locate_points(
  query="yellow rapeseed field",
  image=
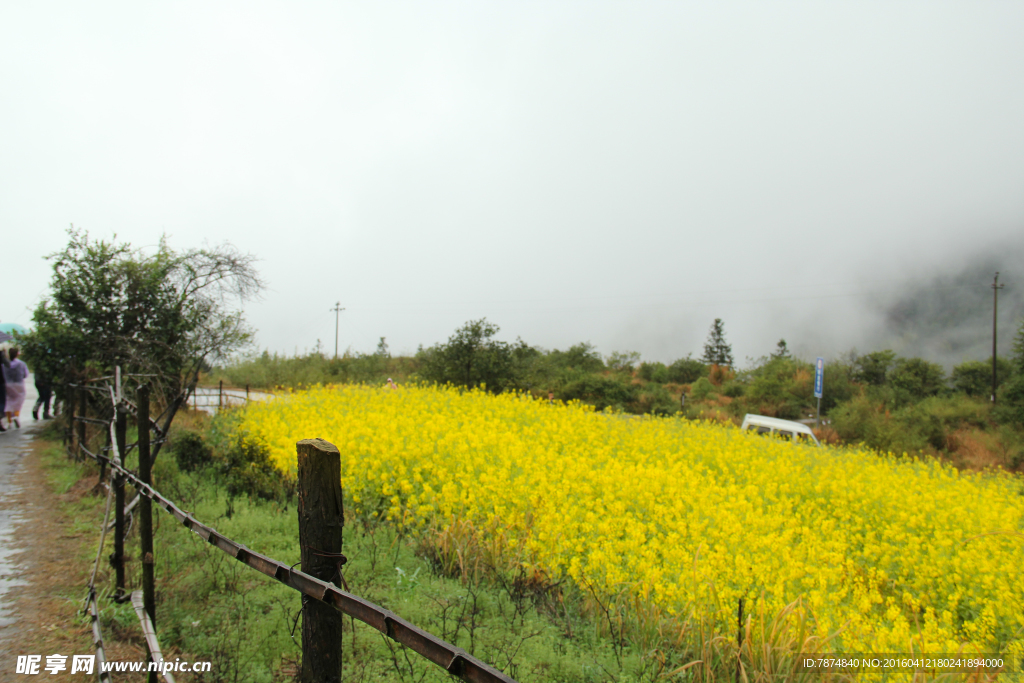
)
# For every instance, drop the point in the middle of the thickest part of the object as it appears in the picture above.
(899, 554)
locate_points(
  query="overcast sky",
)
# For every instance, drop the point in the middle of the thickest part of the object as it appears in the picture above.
(619, 173)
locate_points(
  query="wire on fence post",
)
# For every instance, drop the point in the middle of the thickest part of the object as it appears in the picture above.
(146, 505)
(117, 559)
(110, 447)
(320, 525)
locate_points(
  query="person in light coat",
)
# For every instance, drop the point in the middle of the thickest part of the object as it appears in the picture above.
(15, 374)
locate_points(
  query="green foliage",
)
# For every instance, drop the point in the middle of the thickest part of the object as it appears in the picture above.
(926, 424)
(471, 358)
(781, 386)
(581, 357)
(654, 372)
(242, 469)
(686, 370)
(701, 389)
(781, 350)
(599, 391)
(190, 449)
(159, 314)
(974, 377)
(270, 370)
(716, 350)
(620, 361)
(655, 399)
(873, 368)
(864, 420)
(1018, 349)
(917, 378)
(1010, 406)
(839, 385)
(734, 389)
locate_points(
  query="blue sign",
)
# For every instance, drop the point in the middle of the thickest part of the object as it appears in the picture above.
(819, 376)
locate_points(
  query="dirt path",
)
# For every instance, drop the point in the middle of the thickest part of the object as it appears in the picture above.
(45, 562)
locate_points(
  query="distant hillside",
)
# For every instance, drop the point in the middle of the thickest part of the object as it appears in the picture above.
(947, 318)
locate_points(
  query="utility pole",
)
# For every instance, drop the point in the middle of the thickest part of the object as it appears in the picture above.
(995, 308)
(337, 311)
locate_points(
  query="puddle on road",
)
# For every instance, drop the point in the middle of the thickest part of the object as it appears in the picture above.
(14, 446)
(9, 569)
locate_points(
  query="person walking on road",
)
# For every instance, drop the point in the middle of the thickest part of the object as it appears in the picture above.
(45, 391)
(15, 375)
(4, 364)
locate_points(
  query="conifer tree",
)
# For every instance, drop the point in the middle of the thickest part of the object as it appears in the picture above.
(716, 350)
(781, 350)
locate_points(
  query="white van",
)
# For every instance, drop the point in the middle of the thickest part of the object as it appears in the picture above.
(773, 425)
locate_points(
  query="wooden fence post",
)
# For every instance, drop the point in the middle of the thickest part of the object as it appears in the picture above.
(83, 410)
(739, 641)
(320, 527)
(146, 510)
(69, 415)
(220, 397)
(117, 559)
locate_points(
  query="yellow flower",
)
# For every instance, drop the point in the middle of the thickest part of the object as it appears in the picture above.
(684, 514)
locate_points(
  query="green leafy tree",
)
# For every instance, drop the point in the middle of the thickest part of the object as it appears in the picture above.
(623, 361)
(472, 358)
(600, 391)
(716, 350)
(1011, 394)
(654, 372)
(873, 368)
(974, 377)
(1018, 350)
(164, 313)
(917, 378)
(686, 370)
(583, 357)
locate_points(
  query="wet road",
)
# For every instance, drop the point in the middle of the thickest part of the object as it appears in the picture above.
(14, 446)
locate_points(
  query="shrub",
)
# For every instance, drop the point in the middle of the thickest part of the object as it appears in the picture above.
(654, 372)
(733, 389)
(838, 385)
(623, 361)
(582, 357)
(686, 371)
(602, 392)
(917, 378)
(720, 374)
(657, 400)
(974, 377)
(873, 368)
(702, 388)
(1010, 406)
(191, 452)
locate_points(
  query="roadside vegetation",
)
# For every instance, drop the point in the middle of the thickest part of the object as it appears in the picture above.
(878, 399)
